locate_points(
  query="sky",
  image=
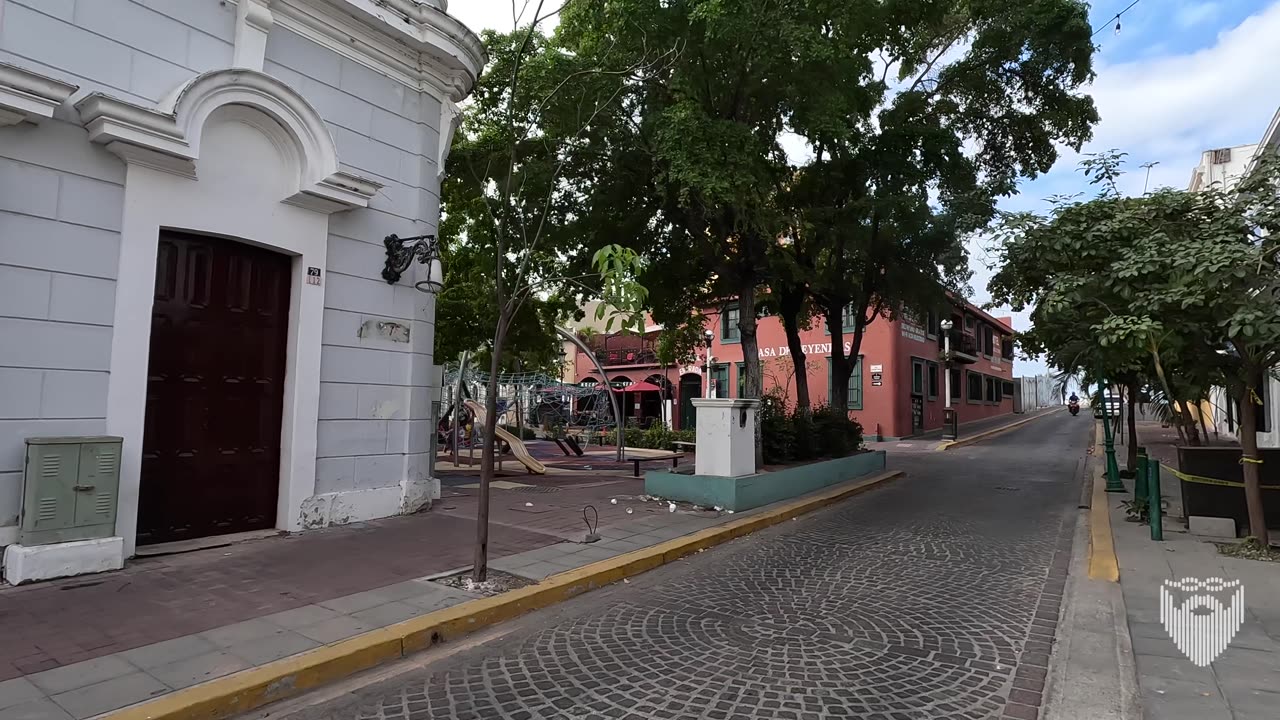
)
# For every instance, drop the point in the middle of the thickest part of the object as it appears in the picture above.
(1181, 77)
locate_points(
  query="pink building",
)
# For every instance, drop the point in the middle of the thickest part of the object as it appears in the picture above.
(897, 389)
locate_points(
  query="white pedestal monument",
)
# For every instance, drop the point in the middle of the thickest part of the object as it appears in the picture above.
(726, 437)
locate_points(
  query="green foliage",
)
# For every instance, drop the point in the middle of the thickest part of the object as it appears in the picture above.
(1136, 511)
(466, 316)
(777, 431)
(1176, 286)
(679, 344)
(837, 434)
(522, 231)
(800, 436)
(657, 437)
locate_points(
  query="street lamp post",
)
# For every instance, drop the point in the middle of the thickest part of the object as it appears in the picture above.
(1113, 468)
(948, 414)
(706, 368)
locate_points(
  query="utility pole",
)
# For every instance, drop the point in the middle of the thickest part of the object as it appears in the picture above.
(1148, 166)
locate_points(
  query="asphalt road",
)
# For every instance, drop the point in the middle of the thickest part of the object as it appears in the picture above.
(933, 597)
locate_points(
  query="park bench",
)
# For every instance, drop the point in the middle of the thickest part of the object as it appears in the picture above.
(674, 457)
(682, 446)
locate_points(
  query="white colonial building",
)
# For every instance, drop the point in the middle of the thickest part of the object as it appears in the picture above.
(1223, 168)
(194, 196)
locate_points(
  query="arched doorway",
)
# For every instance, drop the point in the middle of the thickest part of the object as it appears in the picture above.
(690, 388)
(628, 399)
(654, 404)
(587, 405)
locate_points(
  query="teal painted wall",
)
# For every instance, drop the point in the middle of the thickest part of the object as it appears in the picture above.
(751, 491)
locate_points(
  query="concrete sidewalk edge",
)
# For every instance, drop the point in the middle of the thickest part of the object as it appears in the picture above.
(253, 688)
(947, 445)
(1092, 673)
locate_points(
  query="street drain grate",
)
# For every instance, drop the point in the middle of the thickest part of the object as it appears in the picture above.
(1002, 488)
(536, 489)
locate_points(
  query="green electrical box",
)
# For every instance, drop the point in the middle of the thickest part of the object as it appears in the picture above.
(70, 486)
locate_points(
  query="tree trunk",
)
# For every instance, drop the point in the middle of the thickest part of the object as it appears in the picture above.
(750, 353)
(842, 364)
(480, 561)
(1174, 405)
(1204, 429)
(790, 307)
(1131, 459)
(1250, 460)
(838, 390)
(1193, 434)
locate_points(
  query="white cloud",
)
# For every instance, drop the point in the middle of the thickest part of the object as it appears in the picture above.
(1168, 108)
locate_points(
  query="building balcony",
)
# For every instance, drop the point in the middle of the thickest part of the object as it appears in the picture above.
(964, 348)
(610, 358)
(623, 349)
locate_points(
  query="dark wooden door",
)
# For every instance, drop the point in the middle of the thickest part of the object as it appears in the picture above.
(215, 389)
(690, 388)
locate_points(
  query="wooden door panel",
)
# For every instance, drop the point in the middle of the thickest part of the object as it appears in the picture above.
(211, 446)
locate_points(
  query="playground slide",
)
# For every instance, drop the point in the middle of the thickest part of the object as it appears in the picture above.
(518, 449)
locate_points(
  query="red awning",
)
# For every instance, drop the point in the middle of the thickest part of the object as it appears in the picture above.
(640, 387)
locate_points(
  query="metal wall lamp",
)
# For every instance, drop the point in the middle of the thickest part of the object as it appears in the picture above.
(401, 253)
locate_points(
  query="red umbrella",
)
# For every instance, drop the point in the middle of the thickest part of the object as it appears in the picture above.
(640, 387)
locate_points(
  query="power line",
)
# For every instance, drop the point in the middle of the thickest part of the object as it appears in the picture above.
(1115, 19)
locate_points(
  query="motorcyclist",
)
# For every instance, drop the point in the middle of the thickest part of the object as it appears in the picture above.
(1074, 398)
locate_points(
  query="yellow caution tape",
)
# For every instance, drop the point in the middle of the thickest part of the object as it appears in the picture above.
(1202, 480)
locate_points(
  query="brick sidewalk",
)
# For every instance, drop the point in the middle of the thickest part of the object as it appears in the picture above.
(79, 647)
(52, 624)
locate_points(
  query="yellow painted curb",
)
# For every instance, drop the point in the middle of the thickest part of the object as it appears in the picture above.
(947, 445)
(244, 691)
(1103, 564)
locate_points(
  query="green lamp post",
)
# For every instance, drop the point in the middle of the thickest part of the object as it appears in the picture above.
(1113, 469)
(1114, 483)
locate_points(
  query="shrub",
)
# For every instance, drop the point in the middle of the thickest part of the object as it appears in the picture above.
(806, 445)
(777, 432)
(837, 435)
(786, 436)
(657, 437)
(797, 436)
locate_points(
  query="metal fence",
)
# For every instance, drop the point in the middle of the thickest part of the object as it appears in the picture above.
(1038, 392)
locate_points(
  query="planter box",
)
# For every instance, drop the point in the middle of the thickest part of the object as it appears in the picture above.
(1225, 501)
(750, 491)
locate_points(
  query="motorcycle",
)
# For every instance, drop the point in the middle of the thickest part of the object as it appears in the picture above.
(1074, 407)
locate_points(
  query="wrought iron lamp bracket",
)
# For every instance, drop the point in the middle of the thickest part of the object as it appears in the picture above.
(402, 252)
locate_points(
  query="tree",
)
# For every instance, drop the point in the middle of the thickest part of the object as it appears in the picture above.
(1190, 279)
(466, 314)
(892, 192)
(705, 131)
(791, 301)
(519, 195)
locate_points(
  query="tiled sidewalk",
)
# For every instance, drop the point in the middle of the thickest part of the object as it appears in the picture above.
(228, 609)
(1241, 684)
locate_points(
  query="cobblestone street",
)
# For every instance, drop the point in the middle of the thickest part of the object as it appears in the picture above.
(935, 597)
